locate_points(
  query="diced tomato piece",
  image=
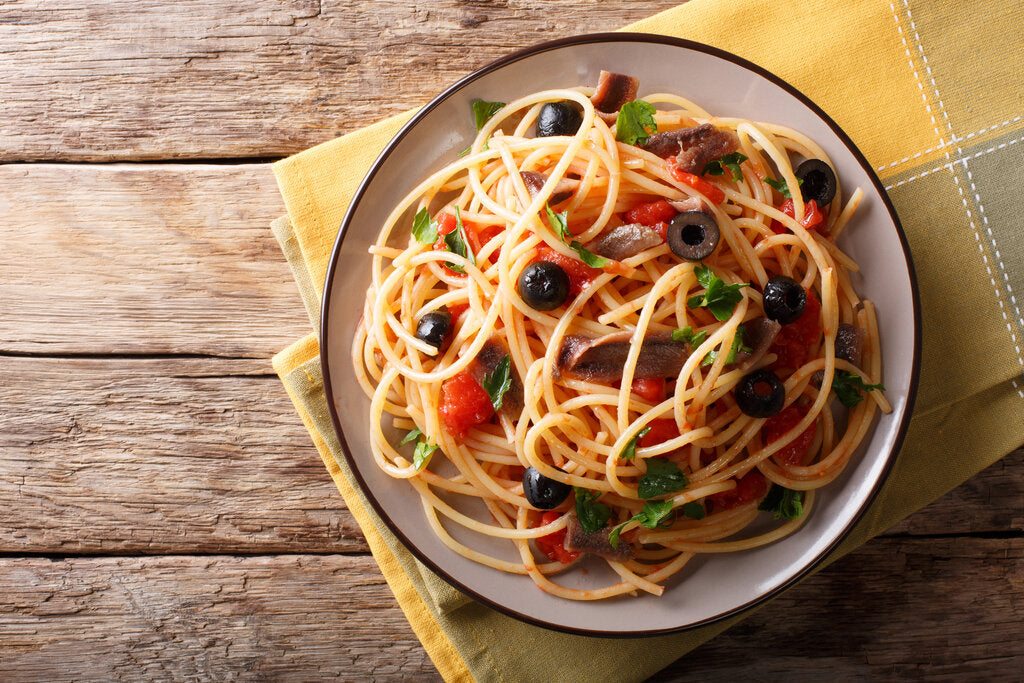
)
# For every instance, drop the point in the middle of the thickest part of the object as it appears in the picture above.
(662, 429)
(464, 404)
(813, 217)
(456, 310)
(714, 193)
(793, 341)
(650, 213)
(661, 229)
(479, 236)
(553, 545)
(580, 274)
(651, 389)
(446, 223)
(777, 425)
(748, 489)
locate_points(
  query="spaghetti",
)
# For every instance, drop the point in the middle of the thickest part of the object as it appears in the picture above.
(639, 418)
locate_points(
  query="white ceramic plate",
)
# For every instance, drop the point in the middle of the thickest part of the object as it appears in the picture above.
(712, 587)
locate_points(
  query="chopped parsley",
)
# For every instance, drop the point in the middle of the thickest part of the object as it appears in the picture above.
(483, 111)
(686, 334)
(730, 161)
(846, 385)
(421, 456)
(662, 476)
(499, 381)
(651, 516)
(783, 503)
(559, 223)
(411, 436)
(782, 187)
(629, 451)
(635, 122)
(738, 344)
(423, 228)
(455, 241)
(719, 298)
(593, 516)
(694, 510)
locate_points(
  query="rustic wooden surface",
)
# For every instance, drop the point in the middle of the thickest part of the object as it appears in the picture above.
(162, 512)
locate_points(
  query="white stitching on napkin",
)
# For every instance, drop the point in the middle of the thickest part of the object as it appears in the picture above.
(960, 189)
(976, 133)
(960, 160)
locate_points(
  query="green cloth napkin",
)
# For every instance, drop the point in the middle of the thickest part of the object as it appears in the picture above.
(928, 90)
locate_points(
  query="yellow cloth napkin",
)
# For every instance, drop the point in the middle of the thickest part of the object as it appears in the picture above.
(927, 90)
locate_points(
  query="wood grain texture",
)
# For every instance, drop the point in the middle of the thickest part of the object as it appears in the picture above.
(149, 79)
(956, 616)
(305, 617)
(151, 259)
(179, 455)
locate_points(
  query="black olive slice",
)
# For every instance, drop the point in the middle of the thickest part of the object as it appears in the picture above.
(433, 328)
(819, 182)
(784, 299)
(543, 285)
(558, 118)
(541, 492)
(693, 235)
(760, 394)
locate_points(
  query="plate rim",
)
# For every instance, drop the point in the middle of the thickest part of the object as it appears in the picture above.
(583, 39)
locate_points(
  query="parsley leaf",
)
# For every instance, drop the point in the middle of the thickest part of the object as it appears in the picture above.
(846, 385)
(592, 515)
(629, 451)
(719, 298)
(782, 187)
(499, 381)
(635, 122)
(591, 259)
(411, 436)
(784, 503)
(694, 510)
(424, 229)
(421, 456)
(559, 223)
(455, 241)
(686, 334)
(483, 111)
(730, 161)
(663, 476)
(651, 516)
(738, 344)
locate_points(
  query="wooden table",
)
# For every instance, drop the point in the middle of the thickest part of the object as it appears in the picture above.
(163, 513)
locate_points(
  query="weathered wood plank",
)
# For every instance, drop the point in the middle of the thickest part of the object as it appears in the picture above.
(155, 456)
(144, 259)
(896, 609)
(206, 455)
(127, 79)
(219, 618)
(300, 617)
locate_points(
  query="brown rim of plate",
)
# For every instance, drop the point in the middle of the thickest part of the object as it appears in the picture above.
(630, 38)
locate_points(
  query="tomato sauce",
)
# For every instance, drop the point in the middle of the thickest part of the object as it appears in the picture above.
(777, 425)
(553, 545)
(748, 489)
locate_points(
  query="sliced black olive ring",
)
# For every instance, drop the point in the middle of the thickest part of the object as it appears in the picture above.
(433, 328)
(541, 492)
(693, 235)
(784, 299)
(819, 182)
(543, 285)
(558, 118)
(760, 394)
